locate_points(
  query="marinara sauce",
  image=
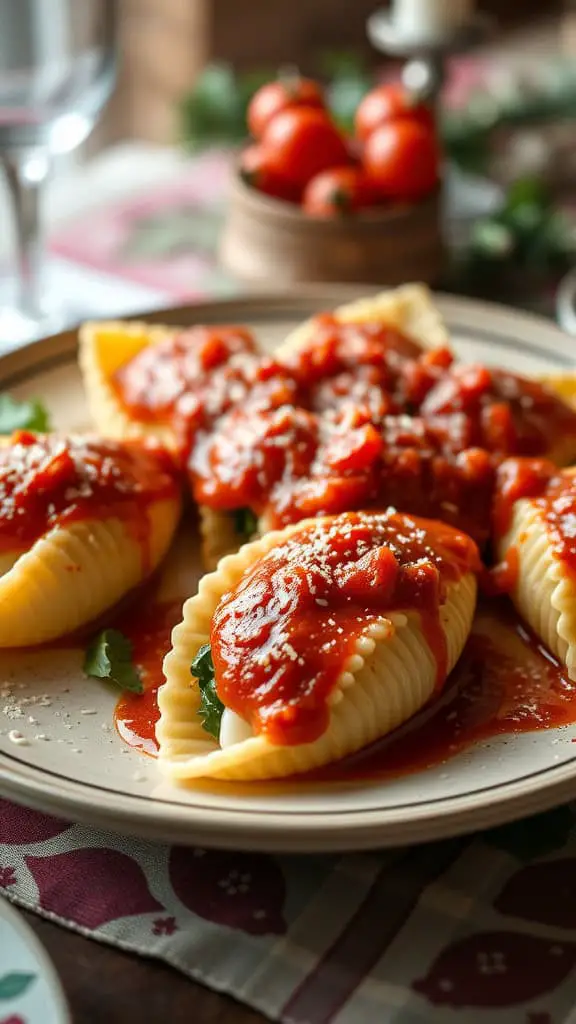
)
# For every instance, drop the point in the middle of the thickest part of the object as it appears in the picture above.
(360, 416)
(282, 638)
(48, 481)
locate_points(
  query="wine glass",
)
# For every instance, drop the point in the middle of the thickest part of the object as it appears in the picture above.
(57, 70)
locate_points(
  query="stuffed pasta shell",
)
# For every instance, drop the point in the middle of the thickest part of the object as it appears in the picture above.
(82, 521)
(312, 642)
(535, 536)
(106, 349)
(408, 309)
(143, 380)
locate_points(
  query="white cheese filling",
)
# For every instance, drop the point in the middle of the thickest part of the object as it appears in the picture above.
(233, 729)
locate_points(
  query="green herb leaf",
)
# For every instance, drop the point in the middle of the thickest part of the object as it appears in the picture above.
(528, 191)
(344, 94)
(211, 707)
(213, 112)
(491, 239)
(16, 415)
(109, 656)
(337, 63)
(15, 984)
(245, 522)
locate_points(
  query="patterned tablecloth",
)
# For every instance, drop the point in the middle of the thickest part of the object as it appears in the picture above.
(162, 236)
(469, 930)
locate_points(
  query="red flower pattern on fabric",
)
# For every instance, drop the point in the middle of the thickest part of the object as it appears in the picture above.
(544, 892)
(117, 886)
(19, 825)
(7, 877)
(164, 926)
(496, 969)
(243, 891)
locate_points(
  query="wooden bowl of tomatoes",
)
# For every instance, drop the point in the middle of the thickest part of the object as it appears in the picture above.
(308, 203)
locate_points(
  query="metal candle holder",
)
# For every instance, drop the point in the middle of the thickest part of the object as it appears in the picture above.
(424, 70)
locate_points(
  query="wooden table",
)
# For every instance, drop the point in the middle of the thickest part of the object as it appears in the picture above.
(106, 986)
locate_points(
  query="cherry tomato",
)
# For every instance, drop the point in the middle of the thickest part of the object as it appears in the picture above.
(402, 160)
(302, 142)
(390, 102)
(273, 97)
(336, 192)
(257, 171)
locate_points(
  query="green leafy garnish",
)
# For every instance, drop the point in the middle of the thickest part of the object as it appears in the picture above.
(16, 415)
(109, 656)
(214, 112)
(211, 707)
(245, 522)
(14, 984)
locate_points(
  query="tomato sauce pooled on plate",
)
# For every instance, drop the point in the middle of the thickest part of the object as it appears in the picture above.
(282, 637)
(48, 481)
(504, 683)
(148, 626)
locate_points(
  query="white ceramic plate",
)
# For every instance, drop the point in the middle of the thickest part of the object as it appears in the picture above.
(29, 987)
(83, 771)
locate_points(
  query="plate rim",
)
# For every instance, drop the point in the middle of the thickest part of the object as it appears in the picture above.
(314, 831)
(11, 912)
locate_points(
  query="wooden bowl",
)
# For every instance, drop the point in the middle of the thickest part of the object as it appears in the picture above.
(268, 240)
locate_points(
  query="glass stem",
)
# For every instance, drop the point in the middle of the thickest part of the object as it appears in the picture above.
(26, 171)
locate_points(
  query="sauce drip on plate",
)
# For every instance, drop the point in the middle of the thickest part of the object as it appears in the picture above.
(283, 636)
(49, 481)
(149, 628)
